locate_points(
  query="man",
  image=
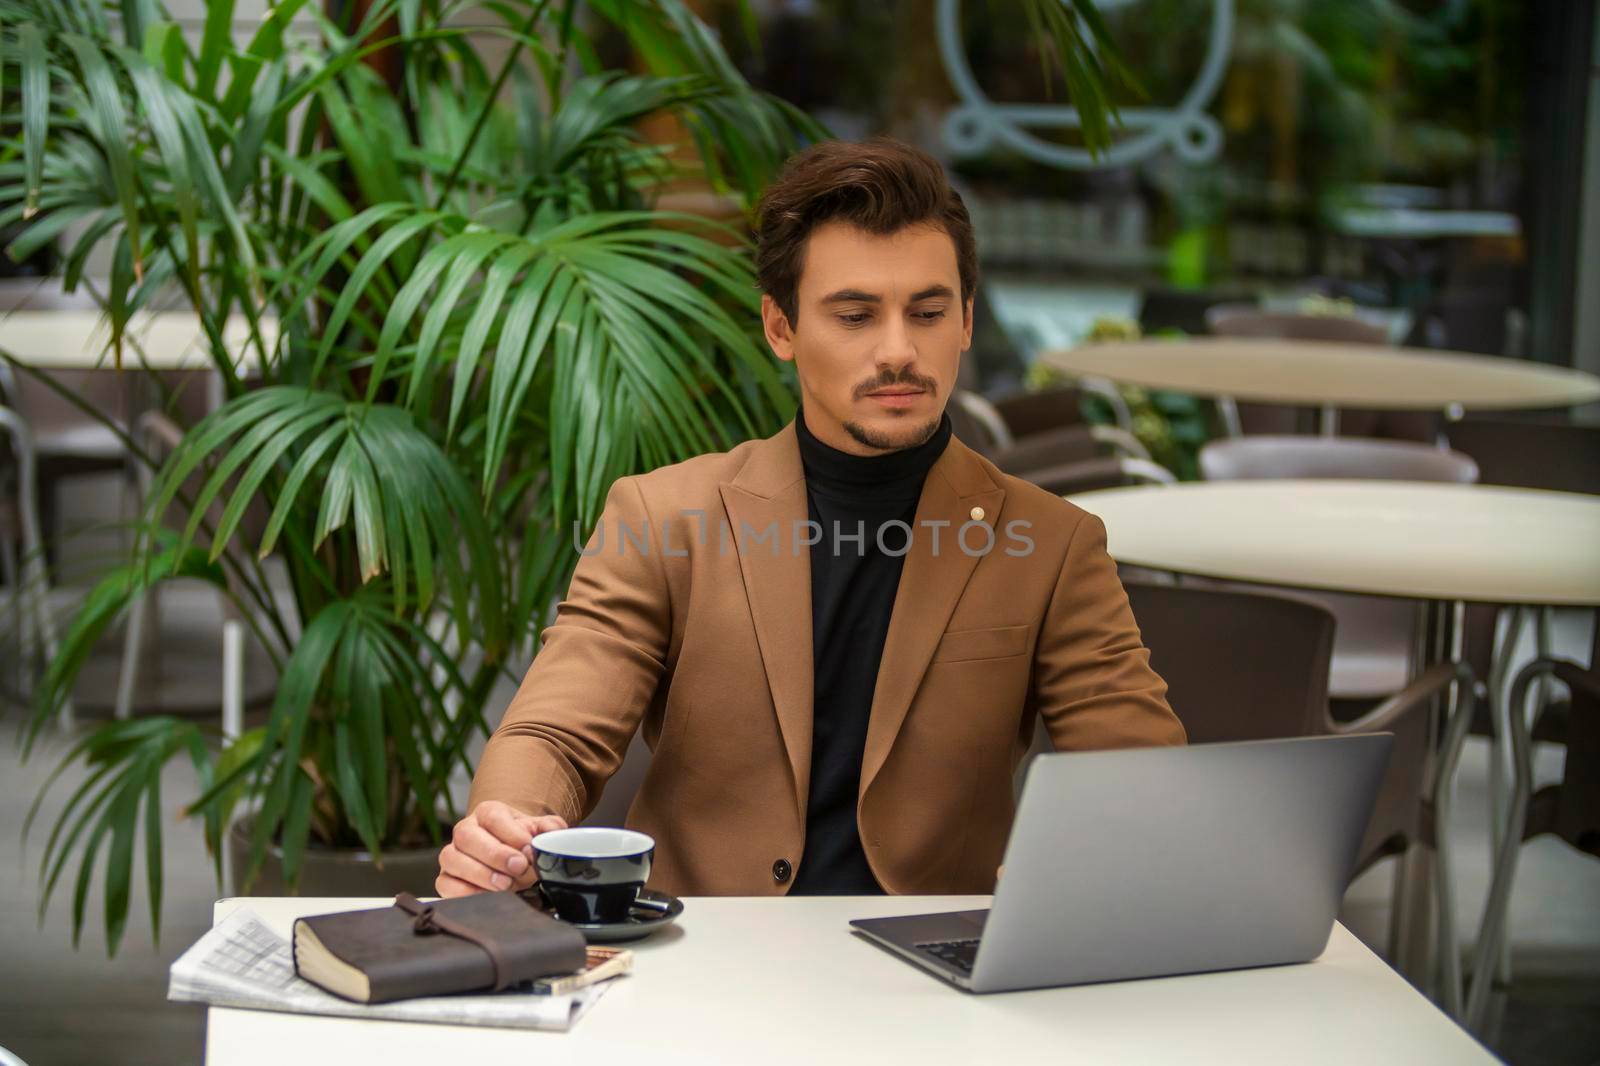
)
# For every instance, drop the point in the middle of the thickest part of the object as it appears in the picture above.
(838, 640)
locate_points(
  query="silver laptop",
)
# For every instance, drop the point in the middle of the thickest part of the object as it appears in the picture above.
(1154, 861)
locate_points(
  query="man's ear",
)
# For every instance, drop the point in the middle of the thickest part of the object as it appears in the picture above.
(966, 324)
(775, 324)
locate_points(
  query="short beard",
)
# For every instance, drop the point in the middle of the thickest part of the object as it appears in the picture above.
(892, 443)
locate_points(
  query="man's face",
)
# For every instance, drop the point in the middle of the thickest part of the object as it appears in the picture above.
(880, 334)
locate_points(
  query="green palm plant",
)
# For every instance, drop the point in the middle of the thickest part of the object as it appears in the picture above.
(467, 316)
(480, 322)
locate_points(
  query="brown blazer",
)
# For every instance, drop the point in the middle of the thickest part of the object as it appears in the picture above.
(704, 638)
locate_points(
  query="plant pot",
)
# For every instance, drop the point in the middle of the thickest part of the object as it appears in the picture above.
(331, 871)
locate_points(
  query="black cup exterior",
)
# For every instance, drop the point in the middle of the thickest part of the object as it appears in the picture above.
(587, 891)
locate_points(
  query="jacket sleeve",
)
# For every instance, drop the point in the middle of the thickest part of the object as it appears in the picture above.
(596, 673)
(1092, 682)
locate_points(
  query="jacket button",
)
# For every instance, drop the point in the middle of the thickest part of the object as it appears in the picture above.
(781, 871)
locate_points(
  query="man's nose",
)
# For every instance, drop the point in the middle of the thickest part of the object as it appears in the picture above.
(896, 349)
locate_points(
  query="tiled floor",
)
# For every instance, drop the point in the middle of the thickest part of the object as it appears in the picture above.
(66, 1007)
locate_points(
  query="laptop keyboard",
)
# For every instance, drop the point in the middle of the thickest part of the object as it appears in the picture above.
(959, 953)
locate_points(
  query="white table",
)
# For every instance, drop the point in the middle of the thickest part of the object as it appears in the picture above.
(1327, 374)
(163, 340)
(77, 339)
(763, 982)
(1422, 541)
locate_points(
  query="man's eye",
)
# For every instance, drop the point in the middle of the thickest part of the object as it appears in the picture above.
(930, 316)
(854, 320)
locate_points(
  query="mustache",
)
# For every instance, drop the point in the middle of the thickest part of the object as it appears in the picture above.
(904, 377)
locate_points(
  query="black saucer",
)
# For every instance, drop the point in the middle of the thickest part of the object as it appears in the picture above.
(642, 920)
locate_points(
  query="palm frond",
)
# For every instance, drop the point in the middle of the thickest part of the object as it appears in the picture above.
(384, 483)
(481, 324)
(123, 762)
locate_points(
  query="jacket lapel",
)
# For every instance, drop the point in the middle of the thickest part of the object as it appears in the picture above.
(930, 585)
(770, 488)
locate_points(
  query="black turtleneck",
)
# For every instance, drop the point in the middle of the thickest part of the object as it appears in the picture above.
(853, 586)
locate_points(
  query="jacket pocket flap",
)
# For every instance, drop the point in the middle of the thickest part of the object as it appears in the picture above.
(998, 642)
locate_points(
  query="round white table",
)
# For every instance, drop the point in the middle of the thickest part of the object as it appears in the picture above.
(1439, 543)
(1327, 374)
(162, 340)
(1422, 541)
(80, 339)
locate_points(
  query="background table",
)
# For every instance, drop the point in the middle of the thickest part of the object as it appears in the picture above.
(1327, 374)
(772, 981)
(1330, 375)
(162, 340)
(1385, 538)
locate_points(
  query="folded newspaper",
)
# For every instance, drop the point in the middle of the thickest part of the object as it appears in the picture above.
(241, 962)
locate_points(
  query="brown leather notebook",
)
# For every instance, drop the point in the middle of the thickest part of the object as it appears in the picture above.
(481, 943)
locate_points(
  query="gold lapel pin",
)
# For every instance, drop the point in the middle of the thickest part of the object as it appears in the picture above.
(977, 514)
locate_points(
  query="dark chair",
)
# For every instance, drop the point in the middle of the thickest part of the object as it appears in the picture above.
(1073, 458)
(1569, 810)
(28, 587)
(1029, 414)
(68, 443)
(1535, 455)
(1033, 420)
(1243, 320)
(1372, 653)
(1247, 666)
(159, 436)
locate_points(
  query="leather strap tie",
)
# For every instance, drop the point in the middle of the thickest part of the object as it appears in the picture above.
(427, 921)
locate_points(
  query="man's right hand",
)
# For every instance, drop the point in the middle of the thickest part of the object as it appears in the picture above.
(491, 850)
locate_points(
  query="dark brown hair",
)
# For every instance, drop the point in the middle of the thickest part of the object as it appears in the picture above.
(881, 186)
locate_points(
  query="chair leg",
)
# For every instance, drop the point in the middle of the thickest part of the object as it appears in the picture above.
(36, 582)
(1492, 936)
(1492, 939)
(1448, 944)
(232, 679)
(132, 648)
(1500, 768)
(1228, 411)
(33, 578)
(1544, 625)
(49, 523)
(1544, 640)
(1399, 917)
(1413, 916)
